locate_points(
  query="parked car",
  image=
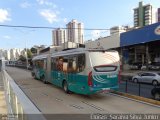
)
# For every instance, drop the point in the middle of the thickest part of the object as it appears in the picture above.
(156, 93)
(144, 67)
(154, 66)
(147, 77)
(136, 66)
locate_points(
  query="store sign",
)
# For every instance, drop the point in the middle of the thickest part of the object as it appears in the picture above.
(157, 30)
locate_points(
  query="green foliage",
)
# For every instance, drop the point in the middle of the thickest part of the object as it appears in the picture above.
(29, 53)
(33, 50)
(22, 58)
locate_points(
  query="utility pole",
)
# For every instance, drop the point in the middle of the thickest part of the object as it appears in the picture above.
(147, 55)
(26, 54)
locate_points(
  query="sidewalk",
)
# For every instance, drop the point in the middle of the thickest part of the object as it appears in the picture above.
(3, 107)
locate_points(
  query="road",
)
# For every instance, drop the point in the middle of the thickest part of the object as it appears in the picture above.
(133, 88)
(50, 99)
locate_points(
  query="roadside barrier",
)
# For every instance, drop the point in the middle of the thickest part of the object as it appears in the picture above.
(19, 105)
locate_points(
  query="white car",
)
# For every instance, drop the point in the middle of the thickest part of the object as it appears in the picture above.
(147, 77)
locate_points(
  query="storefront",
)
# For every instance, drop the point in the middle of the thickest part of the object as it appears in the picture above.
(141, 45)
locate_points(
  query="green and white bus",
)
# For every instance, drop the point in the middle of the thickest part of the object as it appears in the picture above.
(81, 70)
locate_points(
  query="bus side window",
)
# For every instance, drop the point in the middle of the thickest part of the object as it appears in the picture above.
(72, 64)
(36, 64)
(69, 65)
(45, 64)
(60, 64)
(65, 64)
(53, 64)
(41, 64)
(81, 62)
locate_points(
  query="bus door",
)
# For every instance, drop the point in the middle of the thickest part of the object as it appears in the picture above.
(54, 71)
(45, 68)
(65, 69)
(41, 68)
(57, 71)
(36, 69)
(72, 70)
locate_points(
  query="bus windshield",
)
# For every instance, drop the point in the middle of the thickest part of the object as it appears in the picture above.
(105, 68)
(104, 61)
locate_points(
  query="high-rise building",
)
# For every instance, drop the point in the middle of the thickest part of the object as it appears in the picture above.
(1, 53)
(158, 14)
(58, 36)
(7, 54)
(144, 15)
(75, 32)
(15, 53)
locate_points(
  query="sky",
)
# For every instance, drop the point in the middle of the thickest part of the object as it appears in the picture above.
(96, 14)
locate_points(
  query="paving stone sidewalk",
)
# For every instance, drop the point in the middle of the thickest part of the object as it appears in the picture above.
(3, 107)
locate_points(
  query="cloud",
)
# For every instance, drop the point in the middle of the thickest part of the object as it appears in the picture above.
(47, 3)
(7, 37)
(65, 20)
(41, 2)
(4, 16)
(25, 4)
(49, 15)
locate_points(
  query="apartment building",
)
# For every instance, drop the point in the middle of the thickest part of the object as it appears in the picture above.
(75, 32)
(58, 36)
(144, 15)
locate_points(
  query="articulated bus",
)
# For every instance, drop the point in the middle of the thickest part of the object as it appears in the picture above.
(81, 70)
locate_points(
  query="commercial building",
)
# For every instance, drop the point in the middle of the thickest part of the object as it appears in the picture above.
(75, 32)
(59, 36)
(144, 15)
(141, 45)
(109, 42)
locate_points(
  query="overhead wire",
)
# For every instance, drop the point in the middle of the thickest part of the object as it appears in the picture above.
(44, 27)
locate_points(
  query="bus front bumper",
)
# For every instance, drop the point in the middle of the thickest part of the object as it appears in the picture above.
(94, 90)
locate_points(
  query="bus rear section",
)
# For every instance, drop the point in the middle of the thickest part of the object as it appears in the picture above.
(103, 72)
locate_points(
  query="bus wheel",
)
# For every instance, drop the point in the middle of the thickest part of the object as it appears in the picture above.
(33, 75)
(43, 80)
(65, 87)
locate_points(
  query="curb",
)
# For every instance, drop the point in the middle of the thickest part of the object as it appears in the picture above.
(147, 100)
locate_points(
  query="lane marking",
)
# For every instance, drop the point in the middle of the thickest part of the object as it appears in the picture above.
(93, 106)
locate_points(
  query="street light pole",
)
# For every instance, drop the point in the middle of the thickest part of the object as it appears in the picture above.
(26, 54)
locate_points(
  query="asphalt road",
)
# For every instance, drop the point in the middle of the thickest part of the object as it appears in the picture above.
(140, 89)
(50, 99)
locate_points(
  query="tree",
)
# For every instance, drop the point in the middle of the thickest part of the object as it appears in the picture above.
(29, 53)
(22, 58)
(33, 50)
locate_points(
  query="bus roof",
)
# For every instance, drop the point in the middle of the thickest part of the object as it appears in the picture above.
(40, 57)
(77, 51)
(69, 52)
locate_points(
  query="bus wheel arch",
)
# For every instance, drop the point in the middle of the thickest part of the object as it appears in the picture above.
(34, 75)
(65, 86)
(43, 79)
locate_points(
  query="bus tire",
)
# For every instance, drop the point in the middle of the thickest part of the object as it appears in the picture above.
(34, 75)
(65, 86)
(43, 79)
(154, 82)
